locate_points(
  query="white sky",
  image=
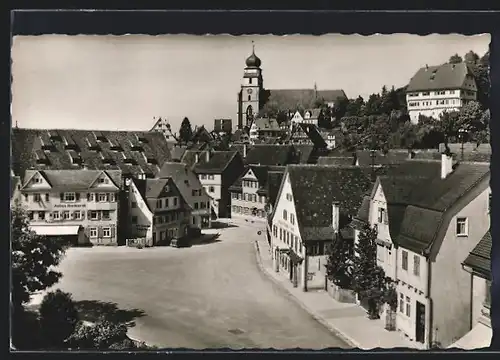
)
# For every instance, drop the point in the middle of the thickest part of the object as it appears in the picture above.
(122, 82)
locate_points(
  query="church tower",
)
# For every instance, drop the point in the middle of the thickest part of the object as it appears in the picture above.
(249, 102)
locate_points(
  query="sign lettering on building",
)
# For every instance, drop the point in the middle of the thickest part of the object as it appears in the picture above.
(73, 206)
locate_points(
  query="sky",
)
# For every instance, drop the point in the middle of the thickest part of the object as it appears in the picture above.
(123, 82)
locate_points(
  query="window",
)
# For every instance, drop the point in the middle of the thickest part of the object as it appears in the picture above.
(94, 215)
(106, 232)
(462, 226)
(203, 176)
(408, 306)
(289, 197)
(281, 234)
(47, 197)
(26, 198)
(105, 215)
(196, 205)
(211, 177)
(175, 201)
(31, 215)
(112, 197)
(404, 259)
(158, 203)
(416, 265)
(37, 197)
(93, 232)
(66, 215)
(211, 189)
(249, 96)
(381, 215)
(401, 303)
(134, 204)
(193, 192)
(292, 219)
(77, 215)
(380, 253)
(55, 215)
(41, 215)
(69, 196)
(250, 80)
(102, 198)
(285, 214)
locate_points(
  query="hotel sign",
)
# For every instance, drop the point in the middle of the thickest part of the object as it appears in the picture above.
(70, 206)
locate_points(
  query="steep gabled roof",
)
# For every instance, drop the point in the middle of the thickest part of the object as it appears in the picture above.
(153, 189)
(424, 215)
(336, 160)
(265, 154)
(267, 124)
(218, 162)
(185, 180)
(304, 152)
(479, 258)
(446, 76)
(313, 133)
(315, 188)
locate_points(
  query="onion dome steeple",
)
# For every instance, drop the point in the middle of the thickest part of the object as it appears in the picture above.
(253, 60)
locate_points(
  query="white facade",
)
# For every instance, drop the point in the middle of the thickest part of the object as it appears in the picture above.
(212, 183)
(243, 204)
(141, 217)
(434, 103)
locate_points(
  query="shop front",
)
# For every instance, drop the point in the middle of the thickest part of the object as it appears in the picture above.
(69, 234)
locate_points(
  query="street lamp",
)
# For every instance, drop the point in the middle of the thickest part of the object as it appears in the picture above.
(461, 135)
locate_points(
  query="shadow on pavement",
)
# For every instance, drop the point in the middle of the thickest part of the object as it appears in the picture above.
(94, 310)
(206, 239)
(221, 225)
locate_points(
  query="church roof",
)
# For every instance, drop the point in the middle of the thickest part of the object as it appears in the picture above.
(290, 99)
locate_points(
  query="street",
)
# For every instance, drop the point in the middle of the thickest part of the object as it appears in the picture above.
(207, 296)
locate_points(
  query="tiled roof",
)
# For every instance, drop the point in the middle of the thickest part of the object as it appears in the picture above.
(260, 173)
(264, 154)
(336, 160)
(364, 210)
(185, 180)
(315, 113)
(480, 257)
(219, 160)
(73, 179)
(27, 145)
(290, 99)
(429, 203)
(177, 152)
(315, 188)
(274, 179)
(152, 189)
(201, 134)
(446, 76)
(364, 158)
(267, 124)
(304, 152)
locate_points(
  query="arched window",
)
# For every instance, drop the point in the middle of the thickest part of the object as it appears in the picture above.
(249, 110)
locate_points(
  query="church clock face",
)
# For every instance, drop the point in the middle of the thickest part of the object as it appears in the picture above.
(249, 91)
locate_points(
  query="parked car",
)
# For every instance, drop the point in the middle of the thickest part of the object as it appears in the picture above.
(180, 242)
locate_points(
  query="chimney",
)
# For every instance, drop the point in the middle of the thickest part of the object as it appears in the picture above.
(244, 151)
(196, 158)
(446, 164)
(335, 216)
(426, 67)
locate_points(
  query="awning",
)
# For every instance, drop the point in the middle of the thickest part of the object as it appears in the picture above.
(52, 230)
(479, 337)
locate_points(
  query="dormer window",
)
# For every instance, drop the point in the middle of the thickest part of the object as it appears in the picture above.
(75, 157)
(41, 158)
(99, 136)
(92, 144)
(54, 135)
(46, 142)
(135, 145)
(115, 146)
(69, 143)
(141, 138)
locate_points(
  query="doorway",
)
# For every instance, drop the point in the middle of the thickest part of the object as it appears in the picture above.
(420, 323)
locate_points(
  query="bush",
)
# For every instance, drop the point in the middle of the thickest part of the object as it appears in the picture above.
(102, 335)
(58, 318)
(139, 246)
(25, 330)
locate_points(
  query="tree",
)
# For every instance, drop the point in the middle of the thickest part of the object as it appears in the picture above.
(339, 265)
(481, 72)
(455, 59)
(186, 131)
(369, 280)
(33, 259)
(355, 107)
(373, 105)
(471, 58)
(340, 107)
(58, 318)
(101, 335)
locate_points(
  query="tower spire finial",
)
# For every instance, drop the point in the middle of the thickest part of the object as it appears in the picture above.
(253, 47)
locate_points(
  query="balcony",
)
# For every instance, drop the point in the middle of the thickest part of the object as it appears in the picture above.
(102, 206)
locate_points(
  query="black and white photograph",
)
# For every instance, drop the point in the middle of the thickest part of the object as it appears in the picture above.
(250, 192)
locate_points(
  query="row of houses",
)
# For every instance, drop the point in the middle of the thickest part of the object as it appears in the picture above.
(432, 219)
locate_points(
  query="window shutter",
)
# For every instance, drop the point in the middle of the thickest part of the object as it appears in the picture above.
(82, 215)
(77, 196)
(86, 231)
(99, 232)
(99, 215)
(73, 215)
(107, 197)
(113, 230)
(88, 215)
(51, 215)
(61, 196)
